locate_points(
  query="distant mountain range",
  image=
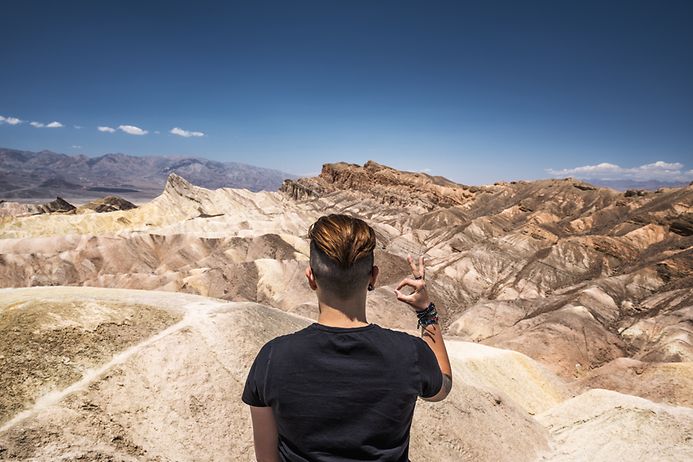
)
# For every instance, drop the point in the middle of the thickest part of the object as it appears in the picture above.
(623, 185)
(45, 174)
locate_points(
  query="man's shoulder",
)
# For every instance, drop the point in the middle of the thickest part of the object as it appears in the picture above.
(307, 331)
(289, 336)
(397, 335)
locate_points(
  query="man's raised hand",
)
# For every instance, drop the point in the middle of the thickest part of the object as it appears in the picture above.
(418, 299)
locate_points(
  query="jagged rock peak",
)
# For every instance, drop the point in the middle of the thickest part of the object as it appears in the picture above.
(176, 185)
(107, 204)
(17, 209)
(406, 176)
(59, 205)
(296, 190)
(342, 172)
(385, 184)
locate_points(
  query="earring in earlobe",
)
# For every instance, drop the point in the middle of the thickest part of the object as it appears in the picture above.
(370, 287)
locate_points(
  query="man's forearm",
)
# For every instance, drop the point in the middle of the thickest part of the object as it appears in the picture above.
(433, 336)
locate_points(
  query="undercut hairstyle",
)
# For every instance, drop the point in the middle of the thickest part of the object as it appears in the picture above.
(341, 254)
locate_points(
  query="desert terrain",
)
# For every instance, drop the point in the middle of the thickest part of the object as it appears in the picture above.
(126, 332)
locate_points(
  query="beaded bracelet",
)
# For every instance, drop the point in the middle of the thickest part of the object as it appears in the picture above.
(427, 316)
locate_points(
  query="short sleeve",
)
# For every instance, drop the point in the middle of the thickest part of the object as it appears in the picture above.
(429, 370)
(254, 391)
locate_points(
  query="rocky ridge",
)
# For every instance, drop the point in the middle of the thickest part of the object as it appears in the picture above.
(594, 284)
(385, 185)
(18, 209)
(105, 204)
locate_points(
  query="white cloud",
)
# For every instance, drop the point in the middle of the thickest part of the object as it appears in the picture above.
(132, 130)
(78, 127)
(53, 124)
(10, 120)
(660, 170)
(105, 129)
(74, 146)
(185, 133)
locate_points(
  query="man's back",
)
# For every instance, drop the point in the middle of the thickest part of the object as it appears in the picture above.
(342, 394)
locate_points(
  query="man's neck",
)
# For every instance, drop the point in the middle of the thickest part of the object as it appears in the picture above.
(348, 313)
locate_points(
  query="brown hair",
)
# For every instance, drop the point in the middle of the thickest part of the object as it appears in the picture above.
(343, 238)
(341, 253)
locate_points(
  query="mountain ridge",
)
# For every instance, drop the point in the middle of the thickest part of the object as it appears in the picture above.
(44, 174)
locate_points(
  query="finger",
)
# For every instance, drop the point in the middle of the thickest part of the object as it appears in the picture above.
(404, 297)
(422, 269)
(415, 283)
(412, 265)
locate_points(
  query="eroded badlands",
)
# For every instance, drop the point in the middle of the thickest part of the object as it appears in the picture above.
(568, 314)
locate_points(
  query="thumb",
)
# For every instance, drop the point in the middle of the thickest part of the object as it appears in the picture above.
(402, 297)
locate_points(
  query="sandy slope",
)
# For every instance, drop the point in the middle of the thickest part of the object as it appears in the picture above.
(168, 388)
(603, 425)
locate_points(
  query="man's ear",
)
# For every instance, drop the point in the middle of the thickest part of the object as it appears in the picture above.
(374, 275)
(311, 278)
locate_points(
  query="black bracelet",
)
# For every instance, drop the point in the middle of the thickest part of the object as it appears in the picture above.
(427, 316)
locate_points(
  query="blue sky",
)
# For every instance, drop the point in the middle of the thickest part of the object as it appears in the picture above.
(477, 93)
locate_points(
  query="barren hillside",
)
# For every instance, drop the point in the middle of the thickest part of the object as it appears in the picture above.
(595, 286)
(128, 375)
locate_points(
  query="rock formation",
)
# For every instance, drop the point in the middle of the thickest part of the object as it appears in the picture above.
(385, 185)
(594, 285)
(106, 204)
(17, 209)
(103, 205)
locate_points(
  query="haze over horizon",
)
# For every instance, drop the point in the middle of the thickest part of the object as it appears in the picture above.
(475, 93)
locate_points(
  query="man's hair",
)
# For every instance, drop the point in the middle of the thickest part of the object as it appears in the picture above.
(341, 253)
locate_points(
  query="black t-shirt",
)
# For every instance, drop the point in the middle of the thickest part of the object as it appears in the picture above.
(343, 393)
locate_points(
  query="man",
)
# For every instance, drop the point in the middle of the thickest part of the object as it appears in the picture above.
(343, 389)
